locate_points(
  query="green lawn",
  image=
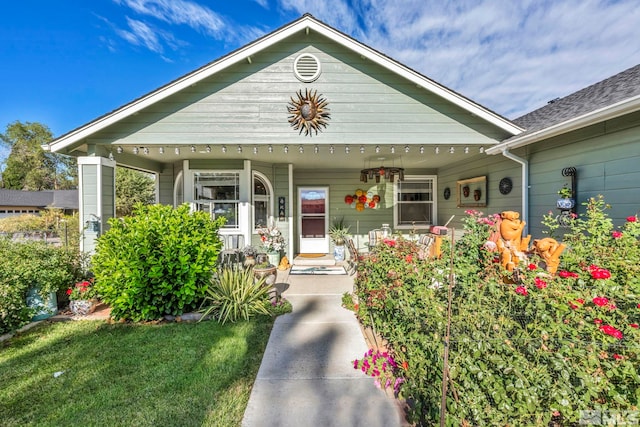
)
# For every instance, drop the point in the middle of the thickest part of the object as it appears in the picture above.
(177, 374)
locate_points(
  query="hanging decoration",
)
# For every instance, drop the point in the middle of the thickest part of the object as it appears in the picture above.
(362, 200)
(386, 172)
(309, 112)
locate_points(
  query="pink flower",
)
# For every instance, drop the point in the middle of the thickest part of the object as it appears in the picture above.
(597, 321)
(532, 267)
(598, 272)
(632, 218)
(567, 274)
(633, 325)
(580, 300)
(600, 301)
(540, 284)
(610, 330)
(617, 356)
(521, 290)
(616, 234)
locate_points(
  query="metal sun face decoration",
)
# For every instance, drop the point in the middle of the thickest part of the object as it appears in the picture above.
(309, 113)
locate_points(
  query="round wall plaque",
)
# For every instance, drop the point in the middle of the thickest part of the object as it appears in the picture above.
(505, 185)
(447, 193)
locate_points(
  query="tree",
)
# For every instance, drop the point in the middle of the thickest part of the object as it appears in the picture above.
(28, 166)
(133, 187)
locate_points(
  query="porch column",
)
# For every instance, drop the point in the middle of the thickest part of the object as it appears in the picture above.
(97, 198)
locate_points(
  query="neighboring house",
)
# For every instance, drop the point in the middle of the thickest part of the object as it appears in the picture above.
(230, 138)
(17, 202)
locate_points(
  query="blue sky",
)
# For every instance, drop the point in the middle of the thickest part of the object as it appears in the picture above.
(64, 63)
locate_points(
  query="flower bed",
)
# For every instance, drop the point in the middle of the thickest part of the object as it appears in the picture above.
(525, 349)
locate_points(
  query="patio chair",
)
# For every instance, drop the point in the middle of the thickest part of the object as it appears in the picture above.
(354, 257)
(232, 250)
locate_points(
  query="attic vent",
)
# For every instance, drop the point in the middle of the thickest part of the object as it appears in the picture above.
(306, 67)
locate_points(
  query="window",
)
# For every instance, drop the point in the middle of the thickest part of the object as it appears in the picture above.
(415, 202)
(262, 201)
(218, 194)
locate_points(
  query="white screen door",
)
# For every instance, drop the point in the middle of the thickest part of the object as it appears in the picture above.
(313, 219)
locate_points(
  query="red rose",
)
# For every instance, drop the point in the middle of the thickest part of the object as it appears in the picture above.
(616, 234)
(521, 290)
(566, 274)
(633, 325)
(69, 291)
(632, 218)
(610, 330)
(597, 321)
(617, 356)
(600, 301)
(580, 300)
(532, 267)
(540, 284)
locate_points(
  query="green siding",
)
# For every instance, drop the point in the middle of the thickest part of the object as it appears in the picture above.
(108, 195)
(247, 103)
(494, 168)
(165, 185)
(607, 159)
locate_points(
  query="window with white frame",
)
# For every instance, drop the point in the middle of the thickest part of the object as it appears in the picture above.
(262, 201)
(415, 201)
(219, 194)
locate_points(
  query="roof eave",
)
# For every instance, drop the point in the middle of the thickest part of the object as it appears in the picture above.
(306, 22)
(609, 112)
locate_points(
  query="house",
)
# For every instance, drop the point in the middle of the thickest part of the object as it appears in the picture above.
(17, 202)
(307, 125)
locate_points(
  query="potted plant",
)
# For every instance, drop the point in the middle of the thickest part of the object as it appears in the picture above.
(566, 201)
(339, 232)
(83, 298)
(249, 252)
(272, 242)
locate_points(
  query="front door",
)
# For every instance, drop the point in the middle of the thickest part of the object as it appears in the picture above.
(313, 220)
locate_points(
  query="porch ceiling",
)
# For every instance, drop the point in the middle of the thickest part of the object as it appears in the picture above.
(309, 155)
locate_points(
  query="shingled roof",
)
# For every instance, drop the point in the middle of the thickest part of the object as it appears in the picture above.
(607, 92)
(62, 199)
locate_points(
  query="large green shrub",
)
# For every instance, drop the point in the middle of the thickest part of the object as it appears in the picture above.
(25, 265)
(157, 261)
(529, 350)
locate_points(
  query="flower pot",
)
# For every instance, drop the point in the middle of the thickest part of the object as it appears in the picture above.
(249, 261)
(274, 258)
(43, 308)
(565, 204)
(82, 307)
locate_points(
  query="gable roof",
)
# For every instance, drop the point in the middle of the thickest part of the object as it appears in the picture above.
(609, 98)
(63, 199)
(305, 23)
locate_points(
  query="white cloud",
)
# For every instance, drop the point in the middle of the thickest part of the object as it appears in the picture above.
(511, 57)
(263, 3)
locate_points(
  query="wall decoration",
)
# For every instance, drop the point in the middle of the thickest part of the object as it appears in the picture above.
(362, 200)
(505, 186)
(447, 193)
(309, 113)
(472, 192)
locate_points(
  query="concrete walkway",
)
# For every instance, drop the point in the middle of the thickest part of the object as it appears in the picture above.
(306, 377)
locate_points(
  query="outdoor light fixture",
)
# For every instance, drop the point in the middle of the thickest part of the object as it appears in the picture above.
(406, 148)
(452, 150)
(377, 149)
(145, 150)
(393, 150)
(255, 150)
(347, 150)
(119, 150)
(193, 148)
(270, 148)
(224, 148)
(466, 150)
(481, 150)
(422, 149)
(437, 150)
(362, 149)
(135, 150)
(177, 151)
(286, 149)
(301, 149)
(208, 148)
(111, 155)
(316, 149)
(161, 150)
(388, 173)
(331, 149)
(239, 149)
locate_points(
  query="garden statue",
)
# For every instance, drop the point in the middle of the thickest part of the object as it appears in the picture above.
(549, 250)
(511, 245)
(284, 264)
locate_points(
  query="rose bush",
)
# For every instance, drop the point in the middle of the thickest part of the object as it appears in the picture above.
(525, 349)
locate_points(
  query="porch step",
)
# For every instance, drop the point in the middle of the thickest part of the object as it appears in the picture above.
(326, 259)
